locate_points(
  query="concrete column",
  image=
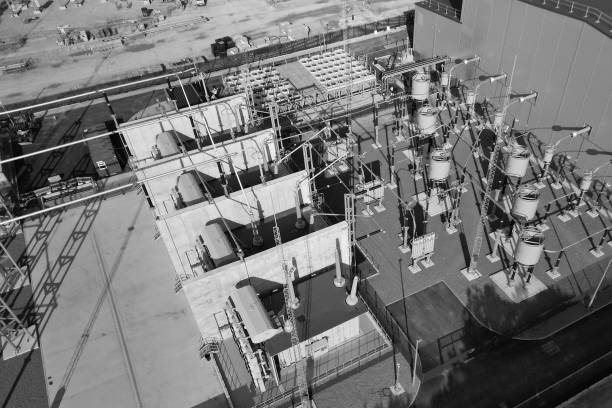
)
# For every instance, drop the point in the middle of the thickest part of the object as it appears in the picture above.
(351, 299)
(262, 176)
(299, 220)
(295, 302)
(339, 281)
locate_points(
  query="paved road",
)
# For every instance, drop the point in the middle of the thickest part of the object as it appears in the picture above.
(516, 370)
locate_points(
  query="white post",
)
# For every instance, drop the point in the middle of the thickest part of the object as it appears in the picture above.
(599, 285)
(416, 355)
(392, 182)
(493, 257)
(339, 281)
(351, 299)
(294, 301)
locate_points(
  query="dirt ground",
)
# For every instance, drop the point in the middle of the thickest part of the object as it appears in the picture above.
(57, 69)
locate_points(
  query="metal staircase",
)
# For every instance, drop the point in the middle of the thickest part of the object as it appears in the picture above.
(209, 345)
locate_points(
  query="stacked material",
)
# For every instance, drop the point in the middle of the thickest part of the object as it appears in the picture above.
(265, 83)
(336, 70)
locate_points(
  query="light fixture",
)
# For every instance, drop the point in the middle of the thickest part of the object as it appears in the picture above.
(497, 77)
(473, 59)
(585, 129)
(532, 95)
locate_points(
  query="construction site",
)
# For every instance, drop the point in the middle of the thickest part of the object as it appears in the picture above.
(415, 212)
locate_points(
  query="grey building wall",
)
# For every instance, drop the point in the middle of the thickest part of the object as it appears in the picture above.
(567, 61)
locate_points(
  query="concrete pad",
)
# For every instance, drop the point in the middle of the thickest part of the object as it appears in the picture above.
(379, 208)
(116, 333)
(470, 276)
(516, 289)
(23, 343)
(436, 206)
(553, 274)
(414, 268)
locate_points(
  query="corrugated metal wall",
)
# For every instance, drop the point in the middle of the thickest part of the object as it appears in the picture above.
(567, 61)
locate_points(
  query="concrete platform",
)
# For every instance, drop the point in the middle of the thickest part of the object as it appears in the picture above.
(112, 330)
(517, 289)
(436, 206)
(579, 271)
(22, 343)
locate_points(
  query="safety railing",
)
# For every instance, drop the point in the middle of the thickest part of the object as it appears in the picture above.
(592, 15)
(338, 361)
(441, 8)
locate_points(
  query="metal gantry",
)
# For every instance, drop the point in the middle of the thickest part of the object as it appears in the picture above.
(484, 209)
(302, 381)
(12, 328)
(486, 200)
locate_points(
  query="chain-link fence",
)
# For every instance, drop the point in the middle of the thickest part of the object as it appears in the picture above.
(313, 41)
(377, 307)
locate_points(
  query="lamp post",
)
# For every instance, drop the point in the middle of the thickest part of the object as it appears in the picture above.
(500, 116)
(416, 356)
(599, 285)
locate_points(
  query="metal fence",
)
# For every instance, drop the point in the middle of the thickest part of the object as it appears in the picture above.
(442, 9)
(321, 40)
(570, 385)
(338, 361)
(378, 309)
(592, 15)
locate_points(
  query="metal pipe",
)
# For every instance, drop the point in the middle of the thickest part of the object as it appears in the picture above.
(78, 200)
(351, 299)
(83, 140)
(599, 285)
(50, 149)
(89, 93)
(46, 210)
(416, 355)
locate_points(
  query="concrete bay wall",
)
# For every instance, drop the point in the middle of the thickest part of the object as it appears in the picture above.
(181, 229)
(244, 155)
(208, 293)
(219, 115)
(564, 59)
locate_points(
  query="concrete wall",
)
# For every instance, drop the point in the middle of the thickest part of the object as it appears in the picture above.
(220, 115)
(567, 61)
(208, 294)
(180, 230)
(335, 336)
(243, 157)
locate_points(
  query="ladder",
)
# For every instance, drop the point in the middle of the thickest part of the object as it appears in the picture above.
(295, 340)
(484, 206)
(349, 215)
